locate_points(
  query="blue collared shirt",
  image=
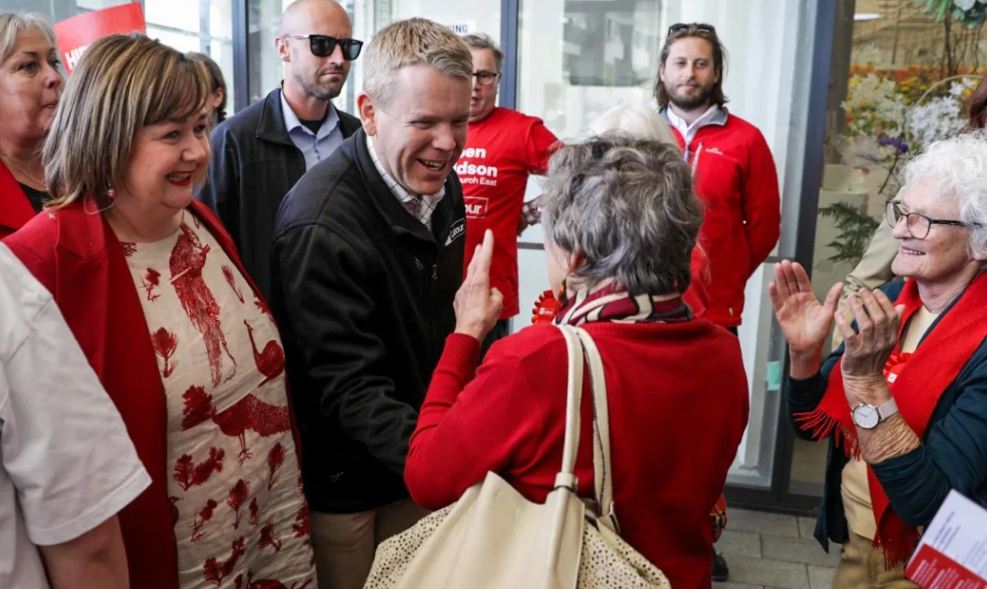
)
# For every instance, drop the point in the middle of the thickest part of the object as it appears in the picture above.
(315, 147)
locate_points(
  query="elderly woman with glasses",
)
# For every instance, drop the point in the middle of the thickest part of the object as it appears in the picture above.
(620, 276)
(903, 403)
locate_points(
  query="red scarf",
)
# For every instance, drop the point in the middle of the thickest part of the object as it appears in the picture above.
(609, 302)
(917, 386)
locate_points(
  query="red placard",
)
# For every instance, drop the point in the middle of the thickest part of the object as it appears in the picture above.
(75, 34)
(931, 569)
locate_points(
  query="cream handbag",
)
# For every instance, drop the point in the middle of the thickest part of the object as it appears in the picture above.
(494, 538)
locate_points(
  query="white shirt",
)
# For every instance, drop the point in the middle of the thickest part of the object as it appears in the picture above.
(66, 461)
(420, 207)
(689, 131)
(315, 147)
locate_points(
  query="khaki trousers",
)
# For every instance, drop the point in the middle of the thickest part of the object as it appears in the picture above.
(862, 567)
(345, 543)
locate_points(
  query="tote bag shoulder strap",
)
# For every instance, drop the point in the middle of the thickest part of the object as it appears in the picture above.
(566, 477)
(602, 469)
(581, 347)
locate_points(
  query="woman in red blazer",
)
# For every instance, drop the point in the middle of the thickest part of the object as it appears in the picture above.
(620, 222)
(30, 85)
(152, 287)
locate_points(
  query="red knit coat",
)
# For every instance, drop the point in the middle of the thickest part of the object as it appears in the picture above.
(678, 408)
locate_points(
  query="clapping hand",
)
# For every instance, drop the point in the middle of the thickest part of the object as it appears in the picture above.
(868, 349)
(477, 305)
(804, 321)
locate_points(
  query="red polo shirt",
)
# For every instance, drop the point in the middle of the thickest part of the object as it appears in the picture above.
(501, 151)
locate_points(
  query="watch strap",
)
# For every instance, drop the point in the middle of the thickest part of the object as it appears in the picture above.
(886, 410)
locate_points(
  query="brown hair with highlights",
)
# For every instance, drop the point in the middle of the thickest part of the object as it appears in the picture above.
(708, 34)
(122, 83)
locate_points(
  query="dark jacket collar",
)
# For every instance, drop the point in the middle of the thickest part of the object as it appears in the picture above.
(387, 203)
(270, 126)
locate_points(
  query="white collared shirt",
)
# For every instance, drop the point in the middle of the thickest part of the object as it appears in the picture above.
(315, 147)
(420, 207)
(689, 131)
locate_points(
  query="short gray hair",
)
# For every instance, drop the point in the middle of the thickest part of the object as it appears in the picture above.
(637, 120)
(411, 42)
(958, 166)
(483, 41)
(12, 23)
(627, 207)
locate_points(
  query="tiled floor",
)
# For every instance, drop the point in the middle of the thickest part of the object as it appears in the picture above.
(769, 550)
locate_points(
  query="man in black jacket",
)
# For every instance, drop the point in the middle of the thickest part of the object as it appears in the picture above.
(366, 262)
(259, 154)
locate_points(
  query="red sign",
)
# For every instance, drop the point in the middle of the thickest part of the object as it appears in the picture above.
(75, 34)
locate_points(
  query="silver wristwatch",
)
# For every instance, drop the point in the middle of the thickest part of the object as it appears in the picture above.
(868, 416)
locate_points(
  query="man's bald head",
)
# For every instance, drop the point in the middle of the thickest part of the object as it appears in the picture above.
(302, 15)
(321, 78)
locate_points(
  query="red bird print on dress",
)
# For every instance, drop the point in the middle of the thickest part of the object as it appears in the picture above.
(250, 413)
(186, 263)
(270, 362)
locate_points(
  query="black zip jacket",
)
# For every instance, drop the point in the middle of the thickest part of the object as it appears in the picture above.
(253, 166)
(363, 293)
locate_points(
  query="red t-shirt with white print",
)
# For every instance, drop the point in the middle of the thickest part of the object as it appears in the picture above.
(501, 151)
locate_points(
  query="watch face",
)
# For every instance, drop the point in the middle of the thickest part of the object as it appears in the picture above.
(866, 416)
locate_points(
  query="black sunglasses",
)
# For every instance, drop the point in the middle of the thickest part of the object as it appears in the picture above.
(324, 45)
(701, 27)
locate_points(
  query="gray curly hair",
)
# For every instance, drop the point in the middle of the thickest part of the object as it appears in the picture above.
(627, 207)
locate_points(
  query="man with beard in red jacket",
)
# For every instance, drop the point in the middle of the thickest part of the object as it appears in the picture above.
(734, 172)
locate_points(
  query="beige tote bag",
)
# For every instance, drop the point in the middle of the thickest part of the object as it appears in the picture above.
(494, 538)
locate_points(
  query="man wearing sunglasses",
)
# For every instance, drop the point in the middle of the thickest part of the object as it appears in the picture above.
(262, 151)
(735, 175)
(503, 148)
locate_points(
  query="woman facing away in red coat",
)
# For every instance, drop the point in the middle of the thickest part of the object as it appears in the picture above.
(621, 221)
(152, 288)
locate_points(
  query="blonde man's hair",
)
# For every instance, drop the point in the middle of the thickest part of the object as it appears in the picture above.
(122, 83)
(411, 42)
(12, 23)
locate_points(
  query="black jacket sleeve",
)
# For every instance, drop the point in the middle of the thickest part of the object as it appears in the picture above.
(803, 396)
(222, 187)
(322, 289)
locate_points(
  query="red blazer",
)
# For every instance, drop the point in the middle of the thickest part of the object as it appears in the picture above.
(15, 209)
(78, 258)
(678, 409)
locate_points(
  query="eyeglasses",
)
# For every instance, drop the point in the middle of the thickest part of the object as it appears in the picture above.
(682, 26)
(486, 78)
(324, 45)
(918, 224)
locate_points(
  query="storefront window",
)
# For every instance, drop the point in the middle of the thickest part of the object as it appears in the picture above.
(205, 26)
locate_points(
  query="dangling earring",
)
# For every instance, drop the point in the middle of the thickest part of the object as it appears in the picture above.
(110, 196)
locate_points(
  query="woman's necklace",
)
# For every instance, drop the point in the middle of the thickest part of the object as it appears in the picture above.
(22, 171)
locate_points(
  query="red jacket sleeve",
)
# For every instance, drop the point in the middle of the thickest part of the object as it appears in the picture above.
(542, 143)
(761, 202)
(468, 428)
